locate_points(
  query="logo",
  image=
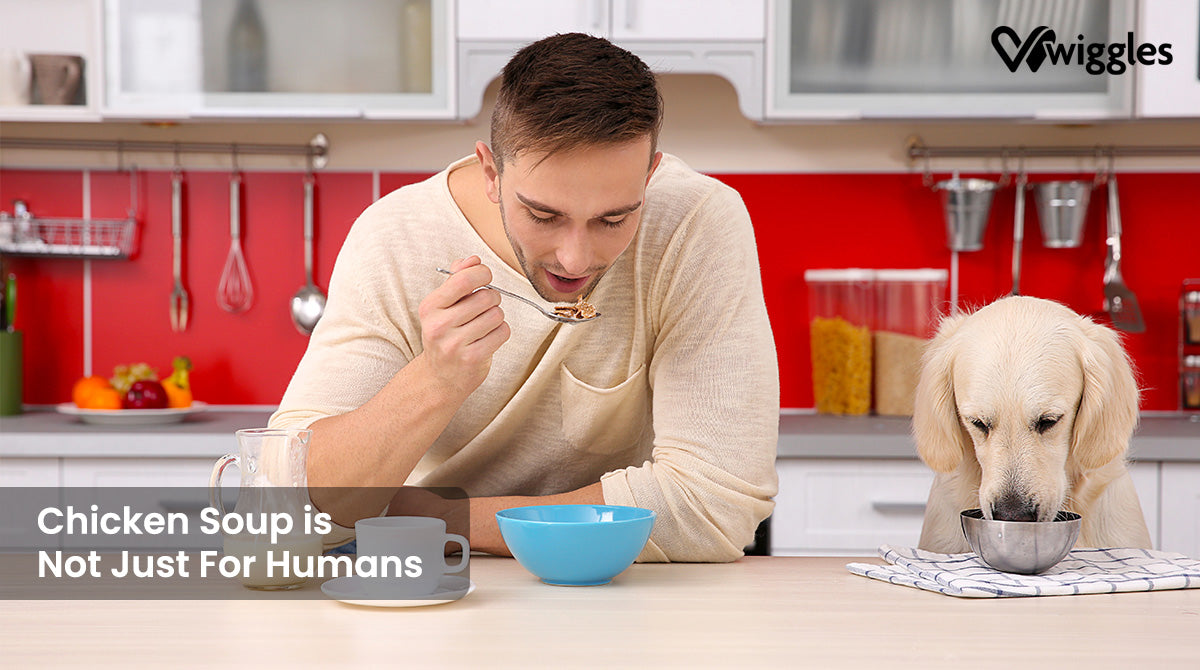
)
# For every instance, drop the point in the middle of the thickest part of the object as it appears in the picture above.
(1096, 58)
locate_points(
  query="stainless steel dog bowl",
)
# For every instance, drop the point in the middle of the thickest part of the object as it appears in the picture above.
(1023, 547)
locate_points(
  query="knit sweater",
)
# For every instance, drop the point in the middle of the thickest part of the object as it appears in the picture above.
(670, 399)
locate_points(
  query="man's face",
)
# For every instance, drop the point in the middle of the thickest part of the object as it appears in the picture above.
(568, 216)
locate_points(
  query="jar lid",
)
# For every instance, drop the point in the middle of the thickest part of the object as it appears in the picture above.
(1191, 361)
(1191, 296)
(846, 274)
(915, 275)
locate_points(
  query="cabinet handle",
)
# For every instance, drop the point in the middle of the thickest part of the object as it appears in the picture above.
(891, 507)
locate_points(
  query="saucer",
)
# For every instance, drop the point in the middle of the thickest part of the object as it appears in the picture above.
(352, 590)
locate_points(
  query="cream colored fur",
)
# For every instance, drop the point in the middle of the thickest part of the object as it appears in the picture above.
(1006, 367)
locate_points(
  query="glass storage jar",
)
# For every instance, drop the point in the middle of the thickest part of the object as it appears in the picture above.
(840, 314)
(908, 306)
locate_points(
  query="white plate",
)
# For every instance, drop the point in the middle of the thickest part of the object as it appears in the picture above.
(352, 591)
(130, 417)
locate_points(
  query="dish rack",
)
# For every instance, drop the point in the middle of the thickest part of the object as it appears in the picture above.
(27, 235)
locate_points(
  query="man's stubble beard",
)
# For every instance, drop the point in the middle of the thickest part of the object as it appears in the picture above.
(541, 291)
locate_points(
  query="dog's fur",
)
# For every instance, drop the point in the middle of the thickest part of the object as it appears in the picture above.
(1025, 408)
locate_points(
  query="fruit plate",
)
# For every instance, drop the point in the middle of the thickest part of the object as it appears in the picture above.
(130, 417)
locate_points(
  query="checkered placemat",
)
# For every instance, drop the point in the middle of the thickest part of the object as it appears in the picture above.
(1082, 571)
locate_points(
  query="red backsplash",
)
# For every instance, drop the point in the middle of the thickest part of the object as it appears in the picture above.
(802, 221)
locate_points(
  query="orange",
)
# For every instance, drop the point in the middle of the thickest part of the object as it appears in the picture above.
(104, 398)
(86, 386)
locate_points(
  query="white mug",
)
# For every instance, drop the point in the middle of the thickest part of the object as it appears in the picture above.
(16, 76)
(413, 551)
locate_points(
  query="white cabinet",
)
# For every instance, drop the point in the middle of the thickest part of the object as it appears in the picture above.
(1170, 90)
(26, 486)
(1181, 508)
(829, 59)
(1145, 479)
(51, 66)
(279, 58)
(722, 37)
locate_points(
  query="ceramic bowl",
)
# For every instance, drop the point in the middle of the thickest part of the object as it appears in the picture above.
(575, 545)
(1023, 547)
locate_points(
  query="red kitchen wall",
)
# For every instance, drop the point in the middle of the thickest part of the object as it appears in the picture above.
(801, 220)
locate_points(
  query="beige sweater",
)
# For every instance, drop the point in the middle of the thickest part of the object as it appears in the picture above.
(670, 399)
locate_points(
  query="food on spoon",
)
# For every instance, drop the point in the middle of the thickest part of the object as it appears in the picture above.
(178, 386)
(145, 394)
(125, 375)
(580, 310)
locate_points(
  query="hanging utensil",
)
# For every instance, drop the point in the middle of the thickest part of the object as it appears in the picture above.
(309, 303)
(1120, 302)
(179, 296)
(235, 293)
(1018, 233)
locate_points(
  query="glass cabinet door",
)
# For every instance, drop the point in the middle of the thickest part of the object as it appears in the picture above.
(944, 58)
(286, 58)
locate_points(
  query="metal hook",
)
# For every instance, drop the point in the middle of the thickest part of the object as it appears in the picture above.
(233, 159)
(1003, 180)
(120, 156)
(178, 170)
(1112, 159)
(1101, 177)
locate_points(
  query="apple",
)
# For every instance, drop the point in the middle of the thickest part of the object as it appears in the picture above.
(145, 394)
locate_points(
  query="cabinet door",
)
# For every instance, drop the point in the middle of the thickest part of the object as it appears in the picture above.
(848, 507)
(701, 20)
(279, 58)
(529, 20)
(1181, 508)
(941, 58)
(1145, 480)
(69, 28)
(33, 485)
(1172, 90)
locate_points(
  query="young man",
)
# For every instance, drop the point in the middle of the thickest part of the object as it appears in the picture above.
(669, 400)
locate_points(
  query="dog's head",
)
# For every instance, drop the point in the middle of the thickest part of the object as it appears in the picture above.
(1035, 393)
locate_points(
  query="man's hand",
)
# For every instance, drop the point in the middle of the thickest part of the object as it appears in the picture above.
(462, 327)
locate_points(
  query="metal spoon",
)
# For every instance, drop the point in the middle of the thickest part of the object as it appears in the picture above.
(309, 303)
(548, 314)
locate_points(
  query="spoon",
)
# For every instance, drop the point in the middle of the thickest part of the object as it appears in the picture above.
(309, 303)
(548, 314)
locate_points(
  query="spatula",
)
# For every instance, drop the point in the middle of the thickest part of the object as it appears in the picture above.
(1120, 303)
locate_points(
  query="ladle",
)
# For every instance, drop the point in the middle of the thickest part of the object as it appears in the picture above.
(309, 302)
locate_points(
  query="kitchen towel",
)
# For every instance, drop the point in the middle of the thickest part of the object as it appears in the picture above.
(1082, 571)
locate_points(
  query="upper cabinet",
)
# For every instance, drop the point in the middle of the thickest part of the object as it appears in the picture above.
(1171, 89)
(1042, 59)
(722, 37)
(278, 58)
(51, 65)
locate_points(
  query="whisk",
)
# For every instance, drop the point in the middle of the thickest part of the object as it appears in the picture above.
(235, 293)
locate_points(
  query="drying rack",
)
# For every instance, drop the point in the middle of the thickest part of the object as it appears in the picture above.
(23, 234)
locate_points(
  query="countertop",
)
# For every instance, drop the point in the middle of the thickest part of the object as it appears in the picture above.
(45, 433)
(757, 612)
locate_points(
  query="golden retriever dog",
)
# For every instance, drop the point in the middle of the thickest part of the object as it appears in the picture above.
(1025, 408)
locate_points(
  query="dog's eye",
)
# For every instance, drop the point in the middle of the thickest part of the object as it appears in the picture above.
(983, 427)
(1046, 423)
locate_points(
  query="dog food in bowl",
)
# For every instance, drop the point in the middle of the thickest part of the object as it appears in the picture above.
(1022, 547)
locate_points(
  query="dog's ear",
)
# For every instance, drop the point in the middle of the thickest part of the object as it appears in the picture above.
(1108, 410)
(940, 437)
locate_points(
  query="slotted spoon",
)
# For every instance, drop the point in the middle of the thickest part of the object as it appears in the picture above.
(546, 313)
(1120, 302)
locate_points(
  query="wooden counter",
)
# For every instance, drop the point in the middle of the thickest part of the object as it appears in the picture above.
(757, 612)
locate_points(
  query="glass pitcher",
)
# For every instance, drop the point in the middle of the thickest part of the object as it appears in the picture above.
(274, 486)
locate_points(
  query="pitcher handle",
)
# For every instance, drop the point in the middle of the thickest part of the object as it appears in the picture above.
(214, 482)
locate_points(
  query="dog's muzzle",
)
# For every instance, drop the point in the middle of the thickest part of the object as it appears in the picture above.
(1012, 506)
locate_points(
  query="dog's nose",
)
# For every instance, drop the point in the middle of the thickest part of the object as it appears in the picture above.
(1014, 507)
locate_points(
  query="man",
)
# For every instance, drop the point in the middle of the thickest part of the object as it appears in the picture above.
(669, 400)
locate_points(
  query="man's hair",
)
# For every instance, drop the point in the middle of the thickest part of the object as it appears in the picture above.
(572, 90)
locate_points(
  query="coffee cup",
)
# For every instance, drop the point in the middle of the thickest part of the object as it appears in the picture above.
(408, 555)
(15, 77)
(56, 78)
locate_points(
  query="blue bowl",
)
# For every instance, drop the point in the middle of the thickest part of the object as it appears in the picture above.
(575, 545)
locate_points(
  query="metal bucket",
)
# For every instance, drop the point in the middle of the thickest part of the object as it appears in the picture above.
(1062, 211)
(967, 204)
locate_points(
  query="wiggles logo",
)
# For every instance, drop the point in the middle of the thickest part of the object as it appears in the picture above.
(1095, 57)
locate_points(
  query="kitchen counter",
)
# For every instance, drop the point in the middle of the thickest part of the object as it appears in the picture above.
(45, 433)
(756, 612)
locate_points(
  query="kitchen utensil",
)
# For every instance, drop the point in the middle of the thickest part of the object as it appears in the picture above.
(274, 485)
(546, 313)
(575, 545)
(1062, 211)
(235, 293)
(1018, 233)
(967, 204)
(179, 296)
(1120, 302)
(1023, 547)
(309, 302)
